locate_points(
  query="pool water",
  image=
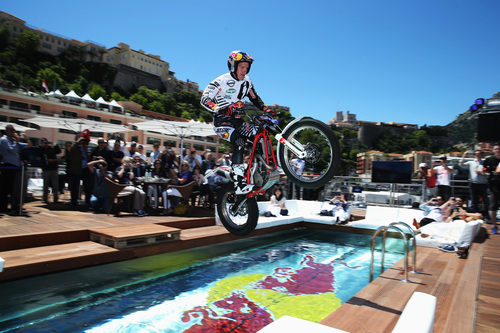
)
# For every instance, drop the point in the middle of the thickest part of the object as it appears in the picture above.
(238, 286)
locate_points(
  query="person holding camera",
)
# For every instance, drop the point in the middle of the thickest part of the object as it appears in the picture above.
(435, 210)
(101, 198)
(443, 177)
(125, 175)
(478, 181)
(50, 169)
(193, 159)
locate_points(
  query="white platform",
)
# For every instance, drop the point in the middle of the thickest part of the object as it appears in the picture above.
(295, 325)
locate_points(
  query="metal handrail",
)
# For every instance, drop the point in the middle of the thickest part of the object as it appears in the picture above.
(374, 238)
(414, 256)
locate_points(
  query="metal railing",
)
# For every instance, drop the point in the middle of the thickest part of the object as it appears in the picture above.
(386, 229)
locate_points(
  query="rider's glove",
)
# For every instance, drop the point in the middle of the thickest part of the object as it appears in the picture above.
(269, 112)
(234, 108)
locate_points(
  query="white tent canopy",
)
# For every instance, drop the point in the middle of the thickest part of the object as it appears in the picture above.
(72, 94)
(101, 100)
(179, 129)
(115, 104)
(87, 98)
(58, 93)
(77, 124)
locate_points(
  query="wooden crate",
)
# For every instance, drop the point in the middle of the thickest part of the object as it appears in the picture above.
(134, 235)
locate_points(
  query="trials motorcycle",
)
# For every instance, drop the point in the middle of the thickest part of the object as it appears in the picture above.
(307, 152)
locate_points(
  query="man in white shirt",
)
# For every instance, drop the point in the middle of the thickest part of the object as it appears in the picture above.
(478, 181)
(443, 176)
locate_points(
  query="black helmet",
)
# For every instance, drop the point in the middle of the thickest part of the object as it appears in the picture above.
(235, 58)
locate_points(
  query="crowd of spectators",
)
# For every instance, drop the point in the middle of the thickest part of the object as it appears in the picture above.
(86, 170)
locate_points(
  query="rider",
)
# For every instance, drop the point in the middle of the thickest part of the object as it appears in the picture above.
(224, 96)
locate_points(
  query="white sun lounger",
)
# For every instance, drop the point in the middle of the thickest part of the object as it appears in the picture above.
(418, 314)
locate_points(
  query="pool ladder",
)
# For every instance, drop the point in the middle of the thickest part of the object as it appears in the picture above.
(396, 227)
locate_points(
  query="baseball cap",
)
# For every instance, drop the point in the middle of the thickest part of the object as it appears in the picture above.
(422, 165)
(44, 140)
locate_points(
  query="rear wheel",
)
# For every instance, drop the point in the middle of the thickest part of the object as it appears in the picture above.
(242, 221)
(322, 153)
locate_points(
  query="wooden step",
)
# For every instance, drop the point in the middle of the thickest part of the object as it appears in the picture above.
(134, 235)
(52, 258)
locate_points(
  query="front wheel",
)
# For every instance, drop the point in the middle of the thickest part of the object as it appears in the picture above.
(322, 153)
(242, 221)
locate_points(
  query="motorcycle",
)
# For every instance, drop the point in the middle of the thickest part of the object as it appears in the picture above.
(307, 152)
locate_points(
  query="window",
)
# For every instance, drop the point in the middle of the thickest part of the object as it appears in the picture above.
(3, 118)
(115, 121)
(97, 134)
(152, 141)
(91, 117)
(47, 46)
(170, 143)
(135, 138)
(19, 106)
(35, 107)
(68, 114)
(198, 147)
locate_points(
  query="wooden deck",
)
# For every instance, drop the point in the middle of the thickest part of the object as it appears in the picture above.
(468, 291)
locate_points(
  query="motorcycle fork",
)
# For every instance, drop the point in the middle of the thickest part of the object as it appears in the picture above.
(296, 147)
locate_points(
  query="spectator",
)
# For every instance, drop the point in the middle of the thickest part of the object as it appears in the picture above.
(116, 156)
(50, 169)
(443, 175)
(201, 184)
(101, 198)
(155, 154)
(193, 159)
(478, 182)
(184, 178)
(125, 175)
(298, 167)
(460, 211)
(424, 172)
(214, 182)
(225, 160)
(138, 167)
(153, 190)
(341, 210)
(101, 151)
(435, 210)
(78, 171)
(11, 170)
(132, 150)
(492, 171)
(169, 162)
(140, 153)
(277, 204)
(208, 163)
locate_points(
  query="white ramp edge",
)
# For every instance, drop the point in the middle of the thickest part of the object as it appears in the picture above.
(418, 314)
(2, 261)
(295, 325)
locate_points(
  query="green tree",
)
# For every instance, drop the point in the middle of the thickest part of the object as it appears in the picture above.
(4, 37)
(51, 77)
(96, 91)
(117, 97)
(26, 43)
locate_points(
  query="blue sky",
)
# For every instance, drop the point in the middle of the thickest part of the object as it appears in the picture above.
(419, 62)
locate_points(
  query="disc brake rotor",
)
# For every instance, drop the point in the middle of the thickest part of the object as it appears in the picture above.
(313, 153)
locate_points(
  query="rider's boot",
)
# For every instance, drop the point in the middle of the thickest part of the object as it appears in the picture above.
(238, 176)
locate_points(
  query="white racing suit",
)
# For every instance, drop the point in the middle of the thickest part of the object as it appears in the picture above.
(217, 97)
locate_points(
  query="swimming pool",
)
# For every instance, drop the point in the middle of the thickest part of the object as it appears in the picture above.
(237, 286)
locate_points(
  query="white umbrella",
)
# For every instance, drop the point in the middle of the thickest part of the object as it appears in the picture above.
(17, 127)
(77, 124)
(180, 129)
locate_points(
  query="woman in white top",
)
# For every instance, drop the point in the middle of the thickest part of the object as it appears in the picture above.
(277, 204)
